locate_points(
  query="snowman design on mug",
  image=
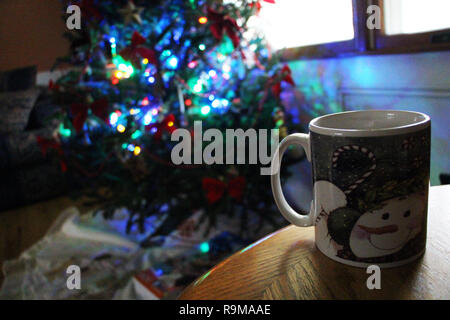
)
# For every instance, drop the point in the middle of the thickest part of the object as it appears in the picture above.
(380, 231)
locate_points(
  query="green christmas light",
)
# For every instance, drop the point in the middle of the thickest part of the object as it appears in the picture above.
(205, 110)
(124, 66)
(64, 131)
(136, 134)
(204, 247)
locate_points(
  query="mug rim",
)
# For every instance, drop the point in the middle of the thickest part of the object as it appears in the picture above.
(407, 128)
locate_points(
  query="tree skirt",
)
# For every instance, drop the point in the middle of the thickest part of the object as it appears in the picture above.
(113, 264)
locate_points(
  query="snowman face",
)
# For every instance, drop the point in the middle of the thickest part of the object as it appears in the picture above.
(385, 231)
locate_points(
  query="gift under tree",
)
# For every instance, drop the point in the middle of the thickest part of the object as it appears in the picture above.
(141, 69)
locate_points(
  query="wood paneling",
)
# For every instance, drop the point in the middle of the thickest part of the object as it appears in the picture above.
(31, 33)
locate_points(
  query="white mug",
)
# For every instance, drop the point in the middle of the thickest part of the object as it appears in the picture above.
(371, 179)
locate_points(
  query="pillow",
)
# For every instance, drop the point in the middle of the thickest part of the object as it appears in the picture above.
(15, 109)
(18, 79)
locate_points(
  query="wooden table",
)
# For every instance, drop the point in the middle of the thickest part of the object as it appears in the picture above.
(287, 265)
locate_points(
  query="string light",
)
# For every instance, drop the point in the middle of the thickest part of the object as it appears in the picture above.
(192, 64)
(204, 247)
(151, 79)
(212, 73)
(136, 134)
(170, 124)
(205, 110)
(137, 150)
(215, 103)
(63, 131)
(202, 20)
(148, 118)
(225, 102)
(145, 101)
(198, 87)
(145, 61)
(226, 68)
(202, 47)
(121, 128)
(188, 102)
(173, 62)
(130, 147)
(119, 75)
(113, 117)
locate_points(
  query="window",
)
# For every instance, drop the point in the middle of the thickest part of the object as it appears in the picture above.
(413, 25)
(289, 23)
(322, 28)
(415, 16)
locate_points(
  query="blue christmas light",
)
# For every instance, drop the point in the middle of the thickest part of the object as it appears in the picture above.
(151, 79)
(148, 118)
(225, 102)
(215, 103)
(173, 62)
(211, 97)
(130, 147)
(212, 73)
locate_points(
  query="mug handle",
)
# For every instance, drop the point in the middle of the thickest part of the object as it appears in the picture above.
(290, 214)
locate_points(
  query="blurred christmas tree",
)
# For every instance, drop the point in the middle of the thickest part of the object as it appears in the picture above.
(141, 69)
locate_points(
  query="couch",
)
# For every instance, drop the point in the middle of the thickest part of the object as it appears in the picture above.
(27, 175)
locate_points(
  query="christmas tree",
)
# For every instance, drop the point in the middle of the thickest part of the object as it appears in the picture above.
(141, 69)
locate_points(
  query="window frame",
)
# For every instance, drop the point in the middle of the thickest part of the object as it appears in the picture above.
(406, 43)
(370, 42)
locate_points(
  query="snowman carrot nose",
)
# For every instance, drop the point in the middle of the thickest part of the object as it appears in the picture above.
(381, 230)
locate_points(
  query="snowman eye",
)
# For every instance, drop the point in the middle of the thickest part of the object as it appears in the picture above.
(407, 213)
(385, 216)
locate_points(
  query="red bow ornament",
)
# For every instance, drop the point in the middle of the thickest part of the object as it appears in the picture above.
(135, 52)
(167, 125)
(80, 112)
(215, 189)
(285, 76)
(46, 144)
(220, 24)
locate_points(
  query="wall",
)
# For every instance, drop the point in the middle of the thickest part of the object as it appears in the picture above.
(31, 33)
(419, 82)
